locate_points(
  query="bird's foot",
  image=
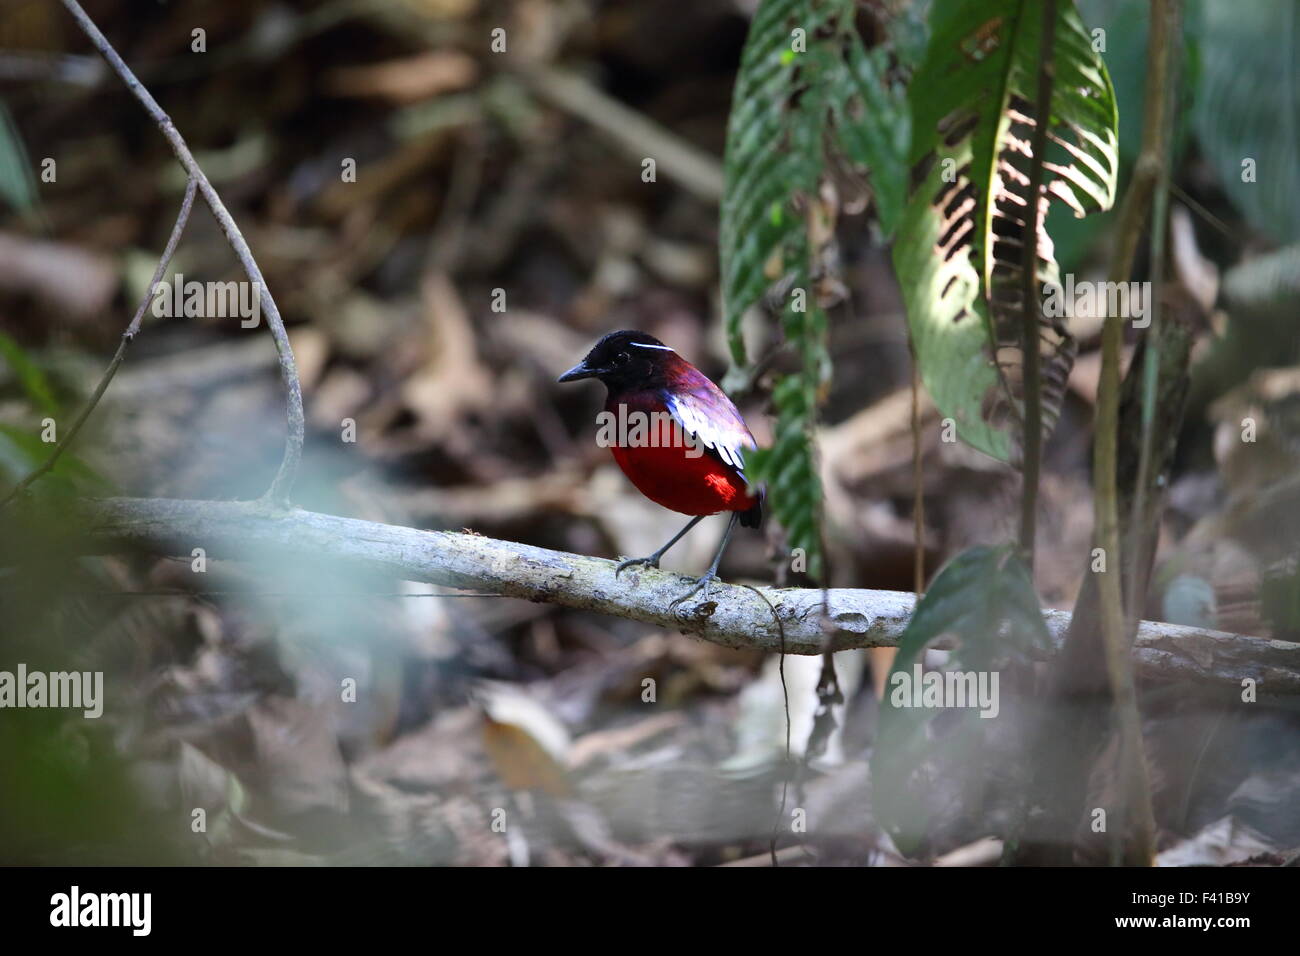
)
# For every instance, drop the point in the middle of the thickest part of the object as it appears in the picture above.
(650, 562)
(700, 585)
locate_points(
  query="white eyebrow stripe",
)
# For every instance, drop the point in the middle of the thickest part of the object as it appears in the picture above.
(647, 345)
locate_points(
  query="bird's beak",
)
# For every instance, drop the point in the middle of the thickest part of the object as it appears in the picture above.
(581, 370)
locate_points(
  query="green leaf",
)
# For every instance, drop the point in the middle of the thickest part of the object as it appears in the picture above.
(22, 452)
(789, 467)
(808, 95)
(774, 150)
(1247, 108)
(1279, 596)
(874, 128)
(30, 376)
(958, 256)
(17, 183)
(985, 599)
(775, 157)
(792, 112)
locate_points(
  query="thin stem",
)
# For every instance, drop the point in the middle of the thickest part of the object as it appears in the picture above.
(1030, 308)
(128, 336)
(1115, 623)
(282, 484)
(1151, 364)
(918, 471)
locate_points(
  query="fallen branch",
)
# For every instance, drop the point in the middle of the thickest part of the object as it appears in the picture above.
(734, 617)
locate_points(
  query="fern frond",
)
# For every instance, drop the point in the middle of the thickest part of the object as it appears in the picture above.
(959, 258)
(808, 96)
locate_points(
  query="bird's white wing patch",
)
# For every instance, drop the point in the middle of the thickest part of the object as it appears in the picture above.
(714, 421)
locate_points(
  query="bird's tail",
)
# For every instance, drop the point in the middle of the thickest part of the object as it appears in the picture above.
(754, 516)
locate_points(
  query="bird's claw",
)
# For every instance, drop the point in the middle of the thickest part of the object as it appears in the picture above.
(651, 562)
(702, 584)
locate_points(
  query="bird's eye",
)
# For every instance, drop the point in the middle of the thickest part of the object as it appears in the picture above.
(622, 358)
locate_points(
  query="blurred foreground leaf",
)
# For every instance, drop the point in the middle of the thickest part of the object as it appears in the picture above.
(985, 599)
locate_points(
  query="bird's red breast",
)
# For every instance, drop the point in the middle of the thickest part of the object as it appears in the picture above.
(690, 480)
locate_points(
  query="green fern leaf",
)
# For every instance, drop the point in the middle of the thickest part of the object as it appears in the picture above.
(874, 128)
(808, 95)
(959, 256)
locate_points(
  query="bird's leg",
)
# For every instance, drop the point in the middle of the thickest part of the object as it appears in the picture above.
(653, 560)
(712, 574)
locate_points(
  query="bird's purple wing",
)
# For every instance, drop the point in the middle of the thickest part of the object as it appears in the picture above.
(703, 410)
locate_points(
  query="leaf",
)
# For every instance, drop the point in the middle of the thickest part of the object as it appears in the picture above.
(958, 256)
(30, 376)
(1280, 599)
(790, 468)
(792, 113)
(874, 128)
(1126, 24)
(985, 599)
(207, 785)
(526, 743)
(774, 151)
(1247, 107)
(810, 100)
(17, 184)
(21, 452)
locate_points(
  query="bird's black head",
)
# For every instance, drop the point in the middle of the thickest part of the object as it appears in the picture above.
(626, 359)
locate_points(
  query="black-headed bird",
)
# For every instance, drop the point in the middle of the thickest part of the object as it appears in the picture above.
(696, 464)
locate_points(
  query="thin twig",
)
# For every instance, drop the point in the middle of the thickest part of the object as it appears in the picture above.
(182, 217)
(1214, 221)
(282, 485)
(1029, 307)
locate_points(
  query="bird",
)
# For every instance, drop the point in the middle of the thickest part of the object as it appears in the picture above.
(695, 463)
